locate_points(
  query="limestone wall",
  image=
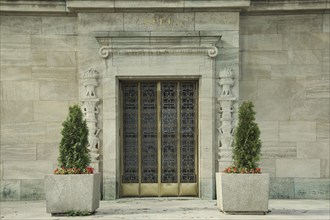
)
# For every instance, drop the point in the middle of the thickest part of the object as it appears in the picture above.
(285, 72)
(38, 83)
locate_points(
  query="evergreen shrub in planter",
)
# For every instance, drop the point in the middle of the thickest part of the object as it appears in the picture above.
(241, 188)
(74, 187)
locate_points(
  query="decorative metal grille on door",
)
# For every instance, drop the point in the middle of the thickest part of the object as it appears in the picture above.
(159, 139)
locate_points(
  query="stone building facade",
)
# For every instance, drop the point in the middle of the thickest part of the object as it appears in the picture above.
(58, 53)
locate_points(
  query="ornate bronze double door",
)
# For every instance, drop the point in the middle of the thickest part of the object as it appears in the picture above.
(159, 138)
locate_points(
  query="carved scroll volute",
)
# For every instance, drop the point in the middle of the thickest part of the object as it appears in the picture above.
(226, 101)
(90, 110)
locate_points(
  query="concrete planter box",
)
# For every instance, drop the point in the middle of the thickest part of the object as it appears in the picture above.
(75, 192)
(242, 193)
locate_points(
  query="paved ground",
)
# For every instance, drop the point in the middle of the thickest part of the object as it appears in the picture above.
(169, 208)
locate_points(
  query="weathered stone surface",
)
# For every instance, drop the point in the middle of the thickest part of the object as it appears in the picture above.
(23, 58)
(16, 111)
(27, 169)
(23, 133)
(310, 109)
(265, 57)
(20, 25)
(299, 131)
(300, 23)
(9, 190)
(322, 130)
(305, 40)
(248, 90)
(326, 22)
(278, 150)
(42, 110)
(53, 73)
(261, 42)
(295, 71)
(318, 150)
(258, 24)
(309, 168)
(159, 22)
(15, 42)
(281, 188)
(312, 188)
(59, 25)
(268, 166)
(251, 71)
(58, 91)
(272, 109)
(237, 192)
(269, 130)
(90, 22)
(72, 192)
(61, 59)
(47, 151)
(32, 189)
(109, 189)
(53, 132)
(216, 21)
(305, 57)
(325, 168)
(318, 88)
(15, 73)
(24, 90)
(53, 43)
(18, 152)
(275, 89)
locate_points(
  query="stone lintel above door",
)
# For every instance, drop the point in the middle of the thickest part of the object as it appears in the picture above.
(160, 42)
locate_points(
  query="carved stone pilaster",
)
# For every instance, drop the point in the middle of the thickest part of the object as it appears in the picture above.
(90, 110)
(226, 101)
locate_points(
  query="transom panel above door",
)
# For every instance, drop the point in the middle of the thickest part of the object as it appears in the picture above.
(159, 138)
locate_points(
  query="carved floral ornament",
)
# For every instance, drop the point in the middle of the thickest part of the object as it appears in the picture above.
(158, 45)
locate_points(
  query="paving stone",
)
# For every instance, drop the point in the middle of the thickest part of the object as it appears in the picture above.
(309, 168)
(312, 188)
(281, 188)
(10, 190)
(28, 169)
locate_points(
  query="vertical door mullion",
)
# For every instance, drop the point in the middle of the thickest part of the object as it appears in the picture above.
(159, 135)
(139, 137)
(178, 106)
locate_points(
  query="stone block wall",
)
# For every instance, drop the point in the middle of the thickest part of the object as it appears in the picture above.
(285, 72)
(38, 83)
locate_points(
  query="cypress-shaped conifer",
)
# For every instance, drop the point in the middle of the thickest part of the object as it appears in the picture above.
(246, 144)
(73, 151)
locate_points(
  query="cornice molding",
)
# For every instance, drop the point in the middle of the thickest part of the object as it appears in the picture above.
(159, 44)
